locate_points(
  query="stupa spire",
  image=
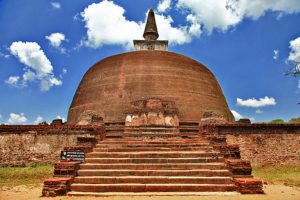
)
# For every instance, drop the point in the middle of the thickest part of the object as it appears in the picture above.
(151, 32)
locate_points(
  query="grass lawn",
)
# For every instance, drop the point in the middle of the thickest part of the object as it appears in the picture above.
(288, 175)
(13, 176)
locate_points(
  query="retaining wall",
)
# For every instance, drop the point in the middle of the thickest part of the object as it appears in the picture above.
(263, 144)
(29, 144)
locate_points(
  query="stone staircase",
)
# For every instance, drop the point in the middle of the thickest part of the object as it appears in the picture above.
(165, 163)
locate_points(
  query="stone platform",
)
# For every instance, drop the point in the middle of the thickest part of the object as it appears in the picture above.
(161, 161)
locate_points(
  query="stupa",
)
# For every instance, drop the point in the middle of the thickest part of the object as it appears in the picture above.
(149, 86)
(152, 141)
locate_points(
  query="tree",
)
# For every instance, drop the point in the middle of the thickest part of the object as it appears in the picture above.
(295, 120)
(277, 121)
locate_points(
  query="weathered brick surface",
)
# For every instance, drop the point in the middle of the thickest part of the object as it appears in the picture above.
(249, 185)
(66, 169)
(262, 144)
(25, 145)
(56, 187)
(239, 167)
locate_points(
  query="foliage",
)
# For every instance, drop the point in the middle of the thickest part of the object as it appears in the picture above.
(277, 121)
(295, 120)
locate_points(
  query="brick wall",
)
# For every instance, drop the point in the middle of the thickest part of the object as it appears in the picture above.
(263, 144)
(25, 145)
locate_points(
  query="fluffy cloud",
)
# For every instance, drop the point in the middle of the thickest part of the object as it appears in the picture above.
(56, 39)
(13, 81)
(259, 111)
(16, 118)
(62, 118)
(237, 116)
(163, 5)
(64, 70)
(223, 14)
(38, 120)
(295, 50)
(254, 103)
(275, 54)
(38, 66)
(217, 14)
(117, 30)
(4, 55)
(55, 5)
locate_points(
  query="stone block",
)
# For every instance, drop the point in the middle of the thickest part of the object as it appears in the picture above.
(239, 167)
(56, 186)
(249, 185)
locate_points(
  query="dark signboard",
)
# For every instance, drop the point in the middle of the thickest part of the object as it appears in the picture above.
(73, 155)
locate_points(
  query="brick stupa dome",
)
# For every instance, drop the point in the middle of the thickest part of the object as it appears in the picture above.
(111, 85)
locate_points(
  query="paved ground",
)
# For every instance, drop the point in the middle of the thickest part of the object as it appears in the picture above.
(273, 192)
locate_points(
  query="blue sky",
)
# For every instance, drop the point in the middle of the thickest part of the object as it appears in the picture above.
(47, 46)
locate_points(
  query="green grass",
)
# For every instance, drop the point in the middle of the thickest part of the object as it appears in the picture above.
(13, 176)
(288, 175)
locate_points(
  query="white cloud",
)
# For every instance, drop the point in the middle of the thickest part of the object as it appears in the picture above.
(16, 118)
(64, 70)
(254, 103)
(237, 116)
(117, 30)
(163, 5)
(258, 111)
(176, 36)
(4, 55)
(29, 76)
(38, 66)
(275, 54)
(13, 81)
(195, 28)
(295, 50)
(56, 39)
(38, 120)
(223, 14)
(1, 116)
(55, 5)
(59, 117)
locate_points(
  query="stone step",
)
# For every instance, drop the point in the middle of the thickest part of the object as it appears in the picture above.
(152, 179)
(152, 187)
(153, 128)
(133, 139)
(163, 144)
(151, 134)
(152, 154)
(154, 160)
(136, 145)
(155, 166)
(126, 172)
(137, 149)
(157, 138)
(147, 194)
(121, 141)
